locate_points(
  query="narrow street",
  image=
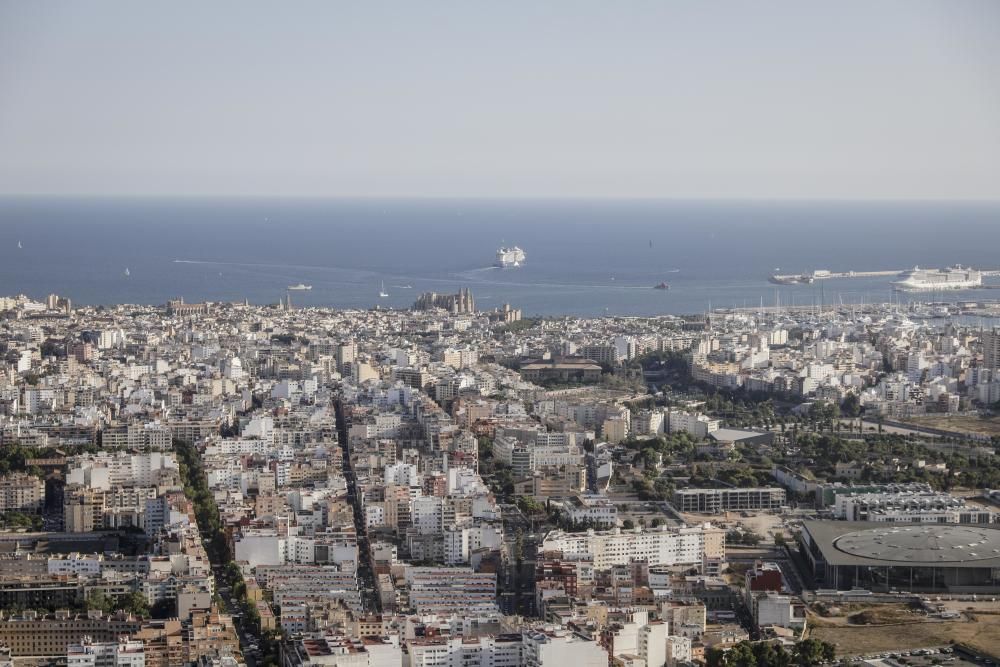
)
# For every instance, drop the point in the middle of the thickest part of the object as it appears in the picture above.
(228, 607)
(366, 571)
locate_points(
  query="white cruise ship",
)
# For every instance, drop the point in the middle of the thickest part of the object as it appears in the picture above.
(299, 288)
(507, 257)
(929, 280)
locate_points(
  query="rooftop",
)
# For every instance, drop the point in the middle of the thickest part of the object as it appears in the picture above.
(866, 543)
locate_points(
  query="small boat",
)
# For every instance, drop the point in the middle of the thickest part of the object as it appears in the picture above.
(299, 288)
(19, 245)
(381, 292)
(127, 272)
(661, 286)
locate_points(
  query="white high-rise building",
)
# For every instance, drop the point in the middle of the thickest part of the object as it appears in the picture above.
(991, 348)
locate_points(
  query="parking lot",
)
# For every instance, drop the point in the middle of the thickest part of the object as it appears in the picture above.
(929, 657)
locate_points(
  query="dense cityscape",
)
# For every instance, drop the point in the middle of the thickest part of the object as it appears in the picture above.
(230, 484)
(569, 333)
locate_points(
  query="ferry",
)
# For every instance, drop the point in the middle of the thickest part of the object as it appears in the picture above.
(299, 288)
(930, 280)
(509, 257)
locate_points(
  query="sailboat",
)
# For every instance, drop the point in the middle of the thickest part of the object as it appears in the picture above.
(127, 272)
(381, 292)
(19, 245)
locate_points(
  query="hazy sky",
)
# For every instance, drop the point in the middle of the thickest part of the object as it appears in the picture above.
(833, 99)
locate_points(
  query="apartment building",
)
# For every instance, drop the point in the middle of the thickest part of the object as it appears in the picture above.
(31, 634)
(21, 492)
(714, 501)
(701, 546)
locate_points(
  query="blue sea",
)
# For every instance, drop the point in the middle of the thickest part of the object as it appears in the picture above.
(590, 257)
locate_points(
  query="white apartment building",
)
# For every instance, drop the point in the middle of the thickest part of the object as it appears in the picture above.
(697, 425)
(106, 470)
(487, 651)
(76, 564)
(123, 653)
(526, 459)
(649, 422)
(773, 608)
(653, 643)
(678, 650)
(561, 647)
(598, 511)
(460, 541)
(701, 546)
(427, 515)
(401, 474)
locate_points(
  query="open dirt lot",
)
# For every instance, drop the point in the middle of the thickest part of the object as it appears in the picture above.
(761, 523)
(980, 631)
(964, 423)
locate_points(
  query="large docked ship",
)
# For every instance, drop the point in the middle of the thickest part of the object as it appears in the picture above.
(791, 279)
(930, 280)
(507, 257)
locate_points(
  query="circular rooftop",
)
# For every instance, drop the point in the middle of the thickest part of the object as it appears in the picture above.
(937, 543)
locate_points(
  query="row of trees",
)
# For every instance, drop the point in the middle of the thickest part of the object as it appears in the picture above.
(828, 450)
(495, 473)
(747, 537)
(133, 603)
(805, 653)
(206, 511)
(14, 458)
(207, 514)
(14, 520)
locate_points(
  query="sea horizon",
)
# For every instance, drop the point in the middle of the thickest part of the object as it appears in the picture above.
(585, 257)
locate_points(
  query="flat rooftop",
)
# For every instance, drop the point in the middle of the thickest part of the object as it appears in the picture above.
(872, 543)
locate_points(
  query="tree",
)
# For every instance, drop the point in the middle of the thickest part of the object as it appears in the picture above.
(771, 655)
(232, 573)
(749, 537)
(135, 603)
(741, 655)
(628, 524)
(751, 654)
(714, 657)
(810, 652)
(851, 407)
(529, 505)
(98, 599)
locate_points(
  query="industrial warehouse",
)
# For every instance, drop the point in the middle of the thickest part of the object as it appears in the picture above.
(884, 557)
